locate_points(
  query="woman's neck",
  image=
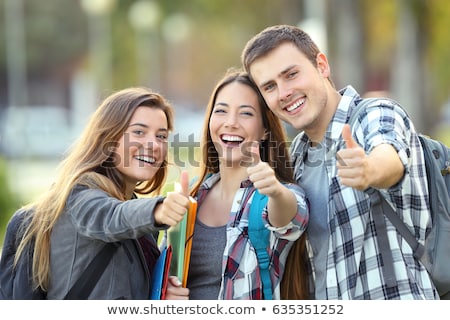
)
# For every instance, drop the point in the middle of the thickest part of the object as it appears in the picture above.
(230, 180)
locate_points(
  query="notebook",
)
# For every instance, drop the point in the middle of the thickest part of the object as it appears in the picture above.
(160, 275)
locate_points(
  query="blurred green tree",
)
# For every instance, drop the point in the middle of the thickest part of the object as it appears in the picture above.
(8, 202)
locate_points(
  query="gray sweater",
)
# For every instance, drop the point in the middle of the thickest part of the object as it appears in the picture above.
(91, 218)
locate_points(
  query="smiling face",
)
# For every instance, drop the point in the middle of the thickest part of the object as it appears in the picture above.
(294, 89)
(235, 122)
(142, 148)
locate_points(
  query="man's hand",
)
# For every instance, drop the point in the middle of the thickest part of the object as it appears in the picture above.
(352, 163)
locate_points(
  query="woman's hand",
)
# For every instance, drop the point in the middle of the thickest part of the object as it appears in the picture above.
(175, 205)
(262, 175)
(175, 291)
(282, 204)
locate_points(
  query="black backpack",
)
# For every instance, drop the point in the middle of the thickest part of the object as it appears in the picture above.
(16, 282)
(435, 254)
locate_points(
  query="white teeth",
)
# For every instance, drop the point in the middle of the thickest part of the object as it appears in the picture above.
(146, 159)
(295, 105)
(232, 138)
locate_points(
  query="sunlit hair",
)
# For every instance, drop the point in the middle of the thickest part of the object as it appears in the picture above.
(272, 37)
(275, 152)
(90, 162)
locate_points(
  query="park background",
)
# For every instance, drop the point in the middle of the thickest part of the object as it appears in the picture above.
(60, 58)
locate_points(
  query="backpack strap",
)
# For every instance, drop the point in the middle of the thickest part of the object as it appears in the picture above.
(83, 287)
(259, 237)
(380, 208)
(376, 199)
(360, 107)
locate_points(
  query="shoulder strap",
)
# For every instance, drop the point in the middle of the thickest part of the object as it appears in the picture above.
(259, 237)
(89, 278)
(380, 207)
(358, 109)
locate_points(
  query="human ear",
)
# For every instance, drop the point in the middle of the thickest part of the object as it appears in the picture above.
(322, 64)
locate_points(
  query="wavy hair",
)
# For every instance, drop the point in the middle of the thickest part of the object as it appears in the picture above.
(90, 162)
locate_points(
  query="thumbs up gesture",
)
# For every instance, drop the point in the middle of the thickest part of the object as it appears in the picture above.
(352, 162)
(262, 175)
(176, 203)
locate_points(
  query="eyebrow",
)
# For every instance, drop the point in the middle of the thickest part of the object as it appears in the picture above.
(282, 72)
(240, 107)
(138, 124)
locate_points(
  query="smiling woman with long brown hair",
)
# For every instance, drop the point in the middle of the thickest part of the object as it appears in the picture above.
(244, 150)
(122, 153)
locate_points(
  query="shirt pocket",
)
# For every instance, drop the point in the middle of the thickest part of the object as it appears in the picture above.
(241, 259)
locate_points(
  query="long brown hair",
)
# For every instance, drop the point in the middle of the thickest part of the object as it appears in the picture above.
(294, 284)
(90, 163)
(274, 151)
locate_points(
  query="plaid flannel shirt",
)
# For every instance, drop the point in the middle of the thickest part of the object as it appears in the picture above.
(241, 279)
(353, 264)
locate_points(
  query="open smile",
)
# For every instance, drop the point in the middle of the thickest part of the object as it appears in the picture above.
(146, 159)
(231, 140)
(296, 106)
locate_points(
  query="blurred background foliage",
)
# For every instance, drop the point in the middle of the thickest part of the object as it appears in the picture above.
(189, 44)
(59, 58)
(8, 202)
